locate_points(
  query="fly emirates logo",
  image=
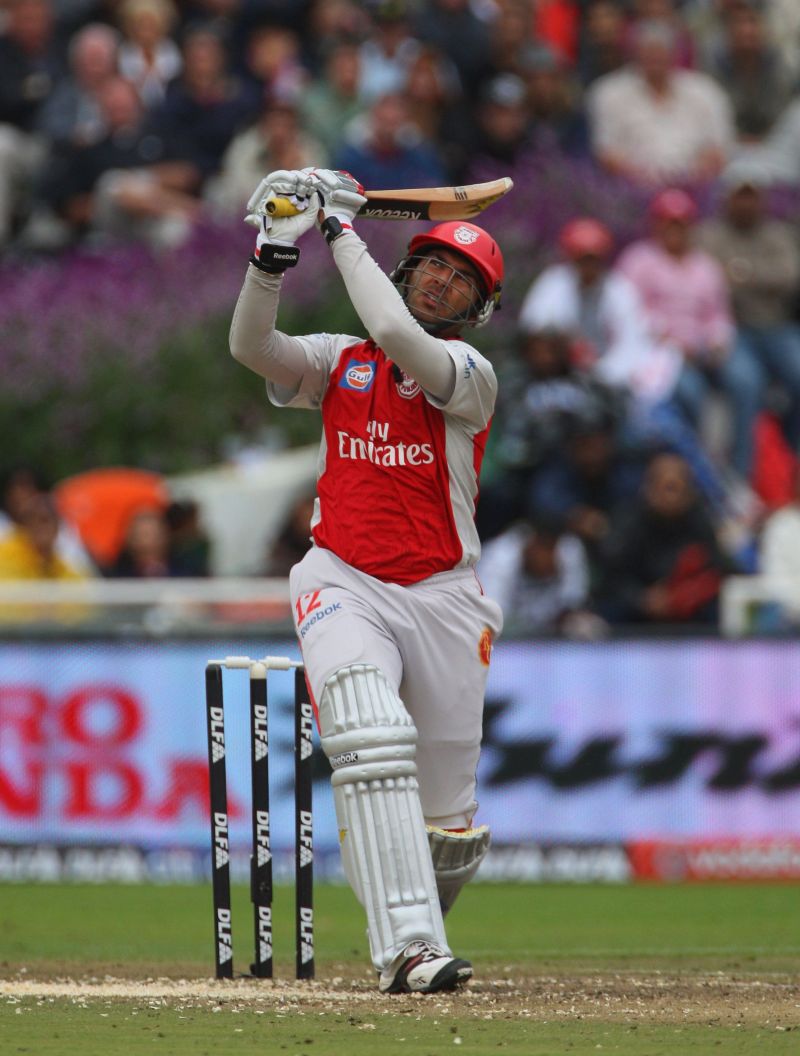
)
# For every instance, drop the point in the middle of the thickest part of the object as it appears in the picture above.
(380, 451)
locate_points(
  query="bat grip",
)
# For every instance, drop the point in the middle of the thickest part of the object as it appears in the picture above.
(281, 207)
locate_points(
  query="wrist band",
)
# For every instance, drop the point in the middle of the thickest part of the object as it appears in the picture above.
(332, 228)
(275, 259)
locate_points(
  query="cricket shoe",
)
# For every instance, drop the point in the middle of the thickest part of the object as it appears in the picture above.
(423, 968)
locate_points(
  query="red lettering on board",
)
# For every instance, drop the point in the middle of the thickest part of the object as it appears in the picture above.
(22, 801)
(76, 716)
(22, 712)
(85, 799)
(188, 788)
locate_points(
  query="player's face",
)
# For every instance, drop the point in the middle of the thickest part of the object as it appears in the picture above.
(443, 287)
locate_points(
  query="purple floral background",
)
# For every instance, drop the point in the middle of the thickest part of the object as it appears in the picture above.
(120, 356)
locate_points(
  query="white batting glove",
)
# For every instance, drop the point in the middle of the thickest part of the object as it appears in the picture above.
(295, 184)
(285, 230)
(342, 196)
(275, 244)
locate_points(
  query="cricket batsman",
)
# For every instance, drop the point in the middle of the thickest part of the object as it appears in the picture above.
(395, 630)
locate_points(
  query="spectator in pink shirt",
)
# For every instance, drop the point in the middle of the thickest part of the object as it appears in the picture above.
(686, 298)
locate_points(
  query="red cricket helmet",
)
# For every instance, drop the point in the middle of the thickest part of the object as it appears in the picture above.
(478, 247)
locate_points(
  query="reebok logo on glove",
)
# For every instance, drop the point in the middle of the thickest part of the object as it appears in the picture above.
(274, 258)
(289, 255)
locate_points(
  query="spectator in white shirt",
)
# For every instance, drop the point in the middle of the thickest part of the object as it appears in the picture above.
(386, 56)
(538, 575)
(656, 123)
(148, 57)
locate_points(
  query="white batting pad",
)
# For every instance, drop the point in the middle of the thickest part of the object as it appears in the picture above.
(370, 740)
(456, 857)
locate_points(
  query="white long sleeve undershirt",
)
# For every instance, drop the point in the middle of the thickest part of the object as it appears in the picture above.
(283, 359)
(389, 323)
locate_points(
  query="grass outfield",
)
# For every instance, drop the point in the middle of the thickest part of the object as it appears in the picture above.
(633, 970)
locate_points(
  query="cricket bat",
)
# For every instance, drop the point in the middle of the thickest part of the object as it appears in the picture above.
(419, 203)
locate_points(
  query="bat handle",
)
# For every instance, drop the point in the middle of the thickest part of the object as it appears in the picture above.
(280, 207)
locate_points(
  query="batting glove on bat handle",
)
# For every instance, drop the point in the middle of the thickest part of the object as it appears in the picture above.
(281, 207)
(275, 245)
(295, 185)
(342, 195)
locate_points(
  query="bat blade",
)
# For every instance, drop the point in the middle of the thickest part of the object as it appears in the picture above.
(419, 203)
(434, 203)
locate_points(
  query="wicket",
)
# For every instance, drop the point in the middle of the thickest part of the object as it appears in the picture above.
(261, 859)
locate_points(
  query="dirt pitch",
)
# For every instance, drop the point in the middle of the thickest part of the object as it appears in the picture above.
(714, 999)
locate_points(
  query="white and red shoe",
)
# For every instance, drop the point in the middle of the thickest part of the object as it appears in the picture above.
(424, 968)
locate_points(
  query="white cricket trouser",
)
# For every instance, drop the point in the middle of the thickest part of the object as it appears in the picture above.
(431, 640)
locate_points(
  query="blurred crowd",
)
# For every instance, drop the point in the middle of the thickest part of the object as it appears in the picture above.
(137, 118)
(647, 429)
(116, 523)
(646, 435)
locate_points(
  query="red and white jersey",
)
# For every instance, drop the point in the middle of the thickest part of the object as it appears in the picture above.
(398, 472)
(398, 467)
